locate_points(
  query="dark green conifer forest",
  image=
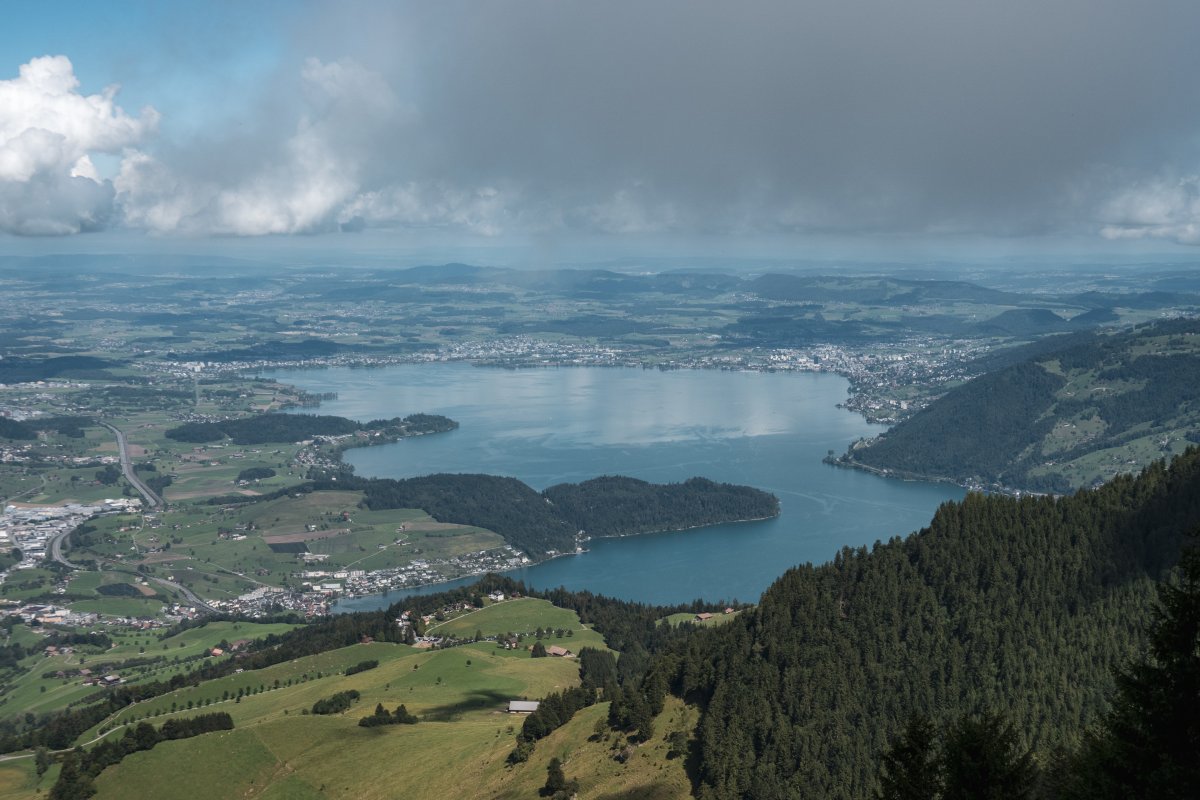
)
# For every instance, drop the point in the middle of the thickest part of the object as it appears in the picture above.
(1025, 607)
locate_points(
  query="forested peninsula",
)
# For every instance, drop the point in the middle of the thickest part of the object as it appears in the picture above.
(556, 521)
(264, 428)
(1068, 413)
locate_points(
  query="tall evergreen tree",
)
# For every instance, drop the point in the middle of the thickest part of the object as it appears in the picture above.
(983, 760)
(1149, 744)
(910, 769)
(555, 779)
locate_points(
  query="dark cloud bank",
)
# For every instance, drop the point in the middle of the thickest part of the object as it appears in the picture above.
(920, 117)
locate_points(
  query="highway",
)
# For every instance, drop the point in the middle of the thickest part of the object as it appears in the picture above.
(56, 542)
(152, 499)
(186, 592)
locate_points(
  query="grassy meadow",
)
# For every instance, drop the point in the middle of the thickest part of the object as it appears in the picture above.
(277, 750)
(521, 616)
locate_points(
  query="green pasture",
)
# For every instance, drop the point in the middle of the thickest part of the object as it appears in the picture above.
(120, 606)
(17, 482)
(441, 684)
(23, 584)
(197, 640)
(689, 617)
(61, 488)
(29, 691)
(19, 779)
(25, 636)
(302, 757)
(524, 615)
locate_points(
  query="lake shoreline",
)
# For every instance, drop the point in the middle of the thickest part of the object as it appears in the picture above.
(550, 426)
(477, 574)
(845, 461)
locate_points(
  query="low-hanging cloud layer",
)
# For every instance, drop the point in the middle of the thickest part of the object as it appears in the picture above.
(868, 116)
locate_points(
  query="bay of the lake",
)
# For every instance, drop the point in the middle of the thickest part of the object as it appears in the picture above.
(553, 425)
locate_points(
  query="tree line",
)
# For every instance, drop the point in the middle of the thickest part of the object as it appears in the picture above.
(80, 767)
(401, 716)
(337, 703)
(71, 426)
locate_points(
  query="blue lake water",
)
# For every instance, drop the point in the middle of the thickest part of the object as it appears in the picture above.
(548, 426)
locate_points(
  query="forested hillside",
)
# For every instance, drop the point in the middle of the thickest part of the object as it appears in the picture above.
(1022, 606)
(1065, 417)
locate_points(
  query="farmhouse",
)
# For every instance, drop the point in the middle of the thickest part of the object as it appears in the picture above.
(522, 706)
(555, 650)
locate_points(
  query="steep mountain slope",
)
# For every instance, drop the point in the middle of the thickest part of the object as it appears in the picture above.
(1097, 406)
(1023, 606)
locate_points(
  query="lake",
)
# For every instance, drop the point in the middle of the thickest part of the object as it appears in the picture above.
(555, 425)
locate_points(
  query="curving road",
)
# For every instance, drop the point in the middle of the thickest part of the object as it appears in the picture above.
(152, 501)
(191, 596)
(56, 553)
(148, 494)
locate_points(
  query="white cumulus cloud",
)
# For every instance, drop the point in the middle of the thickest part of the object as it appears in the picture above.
(48, 183)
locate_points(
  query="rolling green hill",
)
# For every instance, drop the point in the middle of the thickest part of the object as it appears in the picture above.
(1026, 606)
(459, 748)
(1097, 406)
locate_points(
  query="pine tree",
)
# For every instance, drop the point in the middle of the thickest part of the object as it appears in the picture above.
(555, 779)
(982, 760)
(910, 769)
(1149, 745)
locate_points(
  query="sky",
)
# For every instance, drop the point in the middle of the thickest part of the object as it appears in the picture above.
(554, 128)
